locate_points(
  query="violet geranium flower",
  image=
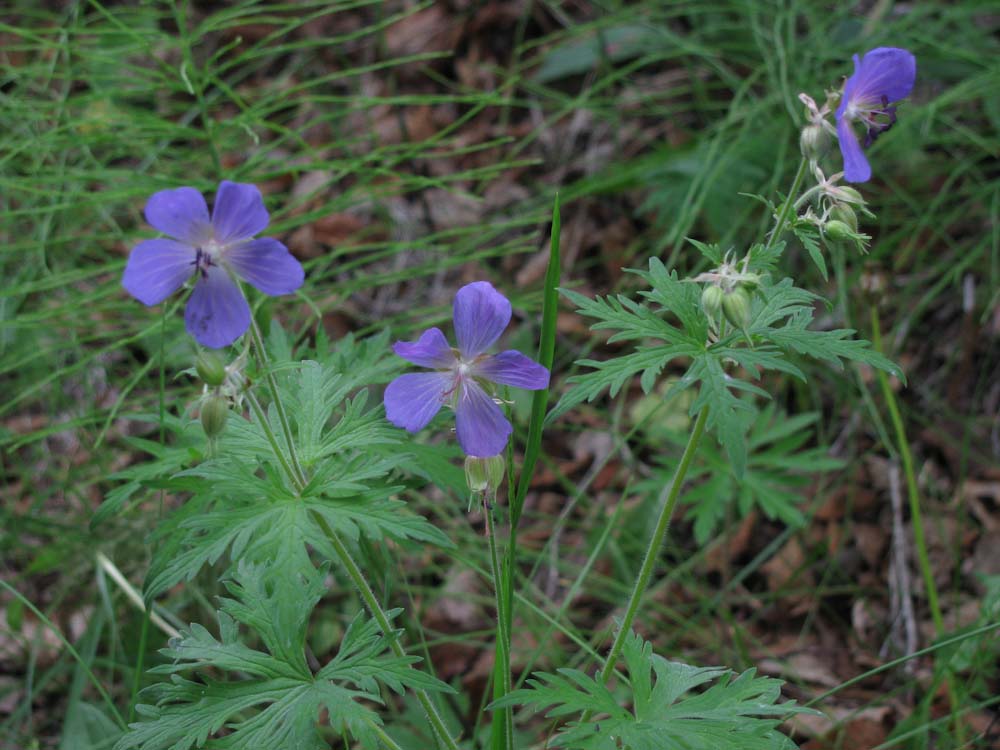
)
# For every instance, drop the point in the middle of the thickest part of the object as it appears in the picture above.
(215, 249)
(481, 314)
(881, 78)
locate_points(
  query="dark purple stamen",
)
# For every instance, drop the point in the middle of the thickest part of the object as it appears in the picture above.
(877, 121)
(202, 262)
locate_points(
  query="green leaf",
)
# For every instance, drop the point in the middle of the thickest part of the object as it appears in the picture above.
(734, 712)
(779, 471)
(271, 698)
(809, 238)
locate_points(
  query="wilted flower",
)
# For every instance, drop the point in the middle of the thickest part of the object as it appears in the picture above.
(481, 314)
(881, 78)
(216, 249)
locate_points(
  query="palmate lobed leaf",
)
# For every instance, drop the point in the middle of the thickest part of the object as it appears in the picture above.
(277, 700)
(780, 464)
(778, 331)
(269, 523)
(735, 712)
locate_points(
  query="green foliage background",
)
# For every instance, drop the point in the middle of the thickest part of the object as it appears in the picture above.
(661, 112)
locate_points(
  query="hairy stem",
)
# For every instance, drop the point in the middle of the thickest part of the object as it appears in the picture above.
(359, 581)
(297, 482)
(272, 384)
(672, 492)
(786, 207)
(503, 636)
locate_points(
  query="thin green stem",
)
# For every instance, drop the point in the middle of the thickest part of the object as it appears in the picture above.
(903, 446)
(359, 581)
(503, 636)
(786, 207)
(916, 516)
(279, 408)
(258, 410)
(673, 492)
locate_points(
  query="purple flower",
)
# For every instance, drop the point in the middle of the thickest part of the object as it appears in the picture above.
(411, 401)
(882, 77)
(217, 312)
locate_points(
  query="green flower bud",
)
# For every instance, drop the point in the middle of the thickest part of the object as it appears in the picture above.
(210, 367)
(736, 307)
(838, 231)
(843, 212)
(711, 299)
(814, 141)
(850, 194)
(484, 474)
(214, 412)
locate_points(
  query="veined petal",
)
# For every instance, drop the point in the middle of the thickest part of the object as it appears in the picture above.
(481, 315)
(430, 350)
(884, 72)
(512, 368)
(482, 428)
(180, 213)
(412, 400)
(856, 167)
(156, 269)
(217, 312)
(267, 264)
(238, 213)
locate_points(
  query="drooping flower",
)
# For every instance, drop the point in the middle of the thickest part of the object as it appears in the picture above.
(215, 249)
(481, 314)
(881, 78)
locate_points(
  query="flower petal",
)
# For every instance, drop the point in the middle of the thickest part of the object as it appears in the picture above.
(412, 400)
(887, 72)
(481, 315)
(430, 350)
(156, 269)
(217, 313)
(238, 213)
(856, 167)
(180, 213)
(267, 264)
(482, 428)
(513, 368)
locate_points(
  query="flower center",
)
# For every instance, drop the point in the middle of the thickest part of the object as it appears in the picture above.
(206, 256)
(877, 117)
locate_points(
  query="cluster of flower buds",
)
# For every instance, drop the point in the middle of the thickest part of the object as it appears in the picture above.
(839, 221)
(224, 385)
(734, 304)
(728, 292)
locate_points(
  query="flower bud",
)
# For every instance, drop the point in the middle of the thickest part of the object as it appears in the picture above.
(850, 195)
(210, 367)
(843, 212)
(214, 412)
(838, 231)
(711, 300)
(736, 307)
(814, 141)
(484, 474)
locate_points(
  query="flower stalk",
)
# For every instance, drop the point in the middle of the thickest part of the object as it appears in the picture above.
(503, 634)
(916, 515)
(669, 499)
